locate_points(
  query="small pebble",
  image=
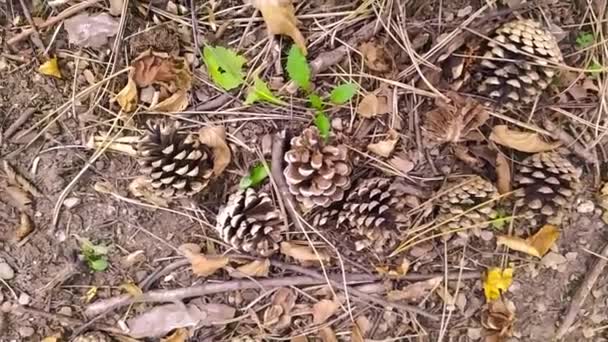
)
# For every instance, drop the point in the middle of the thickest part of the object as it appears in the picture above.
(65, 310)
(26, 331)
(6, 271)
(24, 299)
(486, 235)
(586, 207)
(474, 333)
(336, 124)
(71, 202)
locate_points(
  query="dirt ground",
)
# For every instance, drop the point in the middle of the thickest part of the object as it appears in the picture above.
(51, 288)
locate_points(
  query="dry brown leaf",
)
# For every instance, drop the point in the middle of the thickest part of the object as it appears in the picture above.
(384, 148)
(256, 268)
(174, 103)
(544, 239)
(179, 335)
(402, 164)
(324, 309)
(280, 18)
(360, 328)
(517, 244)
(14, 178)
(127, 98)
(303, 253)
(498, 317)
(203, 265)
(530, 142)
(503, 174)
(377, 57)
(299, 338)
(415, 291)
(140, 187)
(19, 198)
(161, 68)
(373, 104)
(215, 138)
(395, 272)
(455, 121)
(26, 226)
(328, 335)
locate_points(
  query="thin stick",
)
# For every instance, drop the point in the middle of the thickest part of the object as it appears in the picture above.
(581, 294)
(207, 289)
(25, 115)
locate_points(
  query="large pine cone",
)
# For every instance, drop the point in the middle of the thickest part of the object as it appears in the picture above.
(460, 198)
(519, 63)
(317, 172)
(175, 165)
(250, 222)
(93, 336)
(545, 186)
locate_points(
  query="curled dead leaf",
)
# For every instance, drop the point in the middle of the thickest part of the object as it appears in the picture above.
(498, 317)
(544, 239)
(174, 103)
(215, 138)
(530, 142)
(303, 253)
(323, 309)
(203, 265)
(280, 18)
(127, 98)
(26, 226)
(455, 121)
(377, 57)
(384, 148)
(256, 268)
(140, 187)
(415, 291)
(161, 68)
(503, 174)
(517, 244)
(373, 104)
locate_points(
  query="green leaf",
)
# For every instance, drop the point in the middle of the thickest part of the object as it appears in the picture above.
(584, 39)
(256, 176)
(323, 124)
(224, 66)
(298, 68)
(98, 265)
(343, 93)
(500, 219)
(260, 92)
(316, 102)
(594, 69)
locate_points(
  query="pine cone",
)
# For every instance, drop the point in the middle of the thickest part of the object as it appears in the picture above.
(175, 165)
(519, 63)
(93, 336)
(317, 172)
(545, 186)
(459, 197)
(250, 222)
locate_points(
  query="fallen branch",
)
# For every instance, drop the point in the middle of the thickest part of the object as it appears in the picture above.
(581, 294)
(207, 289)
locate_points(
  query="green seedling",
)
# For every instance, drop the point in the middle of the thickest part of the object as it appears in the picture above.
(256, 176)
(95, 256)
(260, 92)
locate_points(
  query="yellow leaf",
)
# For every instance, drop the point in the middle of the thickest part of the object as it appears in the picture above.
(496, 282)
(91, 293)
(503, 174)
(324, 309)
(174, 103)
(131, 289)
(544, 239)
(384, 148)
(256, 268)
(303, 253)
(215, 138)
(127, 98)
(179, 335)
(50, 68)
(517, 244)
(530, 142)
(205, 265)
(280, 18)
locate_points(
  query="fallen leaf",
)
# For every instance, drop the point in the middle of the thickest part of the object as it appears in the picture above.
(544, 239)
(140, 187)
(498, 316)
(203, 265)
(415, 291)
(174, 103)
(372, 105)
(224, 66)
(503, 174)
(127, 98)
(384, 148)
(403, 165)
(377, 57)
(278, 314)
(179, 335)
(517, 244)
(14, 178)
(323, 309)
(299, 338)
(50, 68)
(91, 293)
(454, 121)
(328, 335)
(160, 320)
(256, 268)
(19, 198)
(131, 289)
(530, 142)
(160, 68)
(280, 18)
(285, 298)
(360, 328)
(215, 138)
(395, 272)
(91, 30)
(497, 281)
(303, 253)
(133, 259)
(26, 226)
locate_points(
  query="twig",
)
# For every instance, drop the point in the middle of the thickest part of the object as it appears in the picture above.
(278, 149)
(569, 141)
(53, 20)
(35, 35)
(207, 289)
(213, 104)
(581, 294)
(12, 129)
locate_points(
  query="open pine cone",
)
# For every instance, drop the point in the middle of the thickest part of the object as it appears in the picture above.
(317, 172)
(175, 165)
(545, 185)
(460, 197)
(518, 64)
(250, 222)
